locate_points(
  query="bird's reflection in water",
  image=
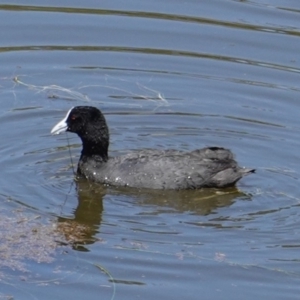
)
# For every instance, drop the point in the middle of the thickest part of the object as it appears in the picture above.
(83, 228)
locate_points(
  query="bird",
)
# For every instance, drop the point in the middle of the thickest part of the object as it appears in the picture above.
(171, 169)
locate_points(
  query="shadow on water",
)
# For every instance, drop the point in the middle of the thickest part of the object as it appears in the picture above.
(83, 227)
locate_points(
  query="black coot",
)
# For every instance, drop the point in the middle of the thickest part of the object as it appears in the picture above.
(154, 169)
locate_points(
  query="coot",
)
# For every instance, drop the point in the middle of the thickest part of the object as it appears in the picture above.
(154, 169)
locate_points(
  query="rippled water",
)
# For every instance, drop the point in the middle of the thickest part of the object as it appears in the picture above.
(168, 74)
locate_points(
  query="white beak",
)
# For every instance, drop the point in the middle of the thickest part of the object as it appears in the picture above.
(62, 125)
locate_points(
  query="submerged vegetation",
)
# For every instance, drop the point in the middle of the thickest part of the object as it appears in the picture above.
(26, 236)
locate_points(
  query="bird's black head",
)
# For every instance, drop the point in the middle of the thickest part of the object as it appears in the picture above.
(90, 125)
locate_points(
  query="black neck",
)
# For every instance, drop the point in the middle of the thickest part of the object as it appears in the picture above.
(96, 150)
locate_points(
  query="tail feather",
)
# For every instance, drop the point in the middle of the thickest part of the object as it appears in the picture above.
(247, 171)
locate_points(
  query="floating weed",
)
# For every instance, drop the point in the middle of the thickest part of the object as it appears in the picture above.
(7, 297)
(59, 92)
(25, 237)
(62, 93)
(111, 279)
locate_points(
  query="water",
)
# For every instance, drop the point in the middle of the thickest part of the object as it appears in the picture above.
(166, 74)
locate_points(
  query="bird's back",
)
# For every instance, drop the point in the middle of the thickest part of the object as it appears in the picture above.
(167, 169)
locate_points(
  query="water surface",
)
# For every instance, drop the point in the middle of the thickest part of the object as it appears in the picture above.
(176, 74)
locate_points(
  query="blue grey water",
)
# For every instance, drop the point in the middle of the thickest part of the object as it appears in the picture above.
(167, 74)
